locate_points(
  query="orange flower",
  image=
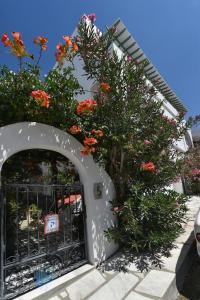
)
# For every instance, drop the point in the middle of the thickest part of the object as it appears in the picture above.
(60, 52)
(41, 97)
(5, 40)
(86, 150)
(98, 133)
(105, 87)
(18, 47)
(75, 47)
(60, 47)
(86, 106)
(89, 141)
(75, 129)
(41, 40)
(147, 166)
(67, 40)
(16, 36)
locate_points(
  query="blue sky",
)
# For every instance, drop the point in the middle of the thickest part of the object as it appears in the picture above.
(168, 31)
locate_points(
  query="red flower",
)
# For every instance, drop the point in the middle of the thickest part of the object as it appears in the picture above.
(89, 141)
(86, 106)
(105, 87)
(5, 40)
(75, 129)
(148, 166)
(41, 40)
(98, 133)
(86, 150)
(41, 97)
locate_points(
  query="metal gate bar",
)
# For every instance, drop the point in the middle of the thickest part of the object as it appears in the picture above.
(30, 256)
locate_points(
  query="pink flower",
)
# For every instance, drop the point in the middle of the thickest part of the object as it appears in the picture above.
(195, 172)
(91, 17)
(116, 209)
(147, 142)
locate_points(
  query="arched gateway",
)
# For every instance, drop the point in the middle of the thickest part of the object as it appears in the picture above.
(58, 231)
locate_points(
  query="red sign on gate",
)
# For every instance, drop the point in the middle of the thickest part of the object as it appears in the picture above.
(51, 223)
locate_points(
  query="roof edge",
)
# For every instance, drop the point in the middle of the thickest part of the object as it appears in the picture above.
(122, 37)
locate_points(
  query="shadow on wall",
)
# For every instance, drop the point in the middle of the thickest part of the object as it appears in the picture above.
(30, 135)
(103, 219)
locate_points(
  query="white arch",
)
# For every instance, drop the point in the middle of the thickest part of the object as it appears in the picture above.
(30, 135)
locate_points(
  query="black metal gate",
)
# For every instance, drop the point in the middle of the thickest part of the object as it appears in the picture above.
(42, 235)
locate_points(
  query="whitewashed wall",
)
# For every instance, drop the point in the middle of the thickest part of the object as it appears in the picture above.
(22, 136)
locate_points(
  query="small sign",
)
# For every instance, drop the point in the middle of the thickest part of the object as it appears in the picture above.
(51, 223)
(98, 190)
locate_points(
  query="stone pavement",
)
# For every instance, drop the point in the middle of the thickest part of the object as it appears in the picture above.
(161, 281)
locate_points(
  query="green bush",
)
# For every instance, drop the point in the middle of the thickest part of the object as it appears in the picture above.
(149, 221)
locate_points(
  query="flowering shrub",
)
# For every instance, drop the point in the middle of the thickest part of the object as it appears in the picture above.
(137, 146)
(124, 129)
(191, 170)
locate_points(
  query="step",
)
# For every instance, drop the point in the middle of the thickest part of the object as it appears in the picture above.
(86, 285)
(116, 288)
(43, 291)
(136, 296)
(158, 284)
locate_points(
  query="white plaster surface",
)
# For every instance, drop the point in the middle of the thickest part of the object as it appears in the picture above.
(30, 135)
(178, 186)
